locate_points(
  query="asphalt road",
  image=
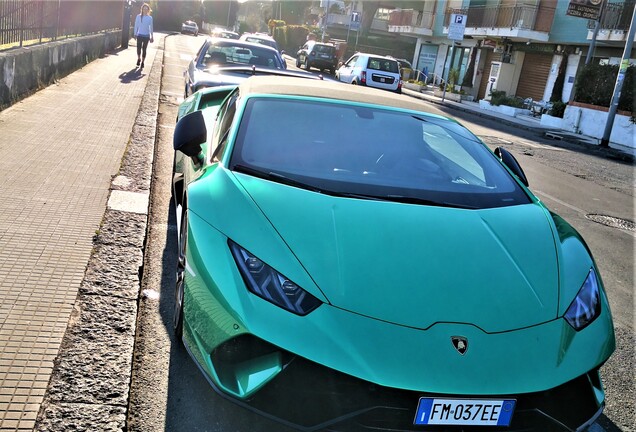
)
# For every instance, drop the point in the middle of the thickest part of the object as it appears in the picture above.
(168, 391)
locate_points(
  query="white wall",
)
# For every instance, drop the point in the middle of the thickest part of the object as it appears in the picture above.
(570, 74)
(592, 123)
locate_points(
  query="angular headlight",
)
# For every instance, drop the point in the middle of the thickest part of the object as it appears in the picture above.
(587, 304)
(272, 286)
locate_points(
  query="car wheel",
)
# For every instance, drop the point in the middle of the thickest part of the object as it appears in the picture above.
(180, 282)
(354, 82)
(332, 71)
(307, 65)
(297, 62)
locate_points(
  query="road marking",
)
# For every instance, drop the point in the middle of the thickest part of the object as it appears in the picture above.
(576, 209)
(570, 206)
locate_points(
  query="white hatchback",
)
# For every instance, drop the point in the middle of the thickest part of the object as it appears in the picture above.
(371, 70)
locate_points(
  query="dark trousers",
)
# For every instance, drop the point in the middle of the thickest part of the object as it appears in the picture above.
(142, 45)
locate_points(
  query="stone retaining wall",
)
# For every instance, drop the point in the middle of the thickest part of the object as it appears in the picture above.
(25, 70)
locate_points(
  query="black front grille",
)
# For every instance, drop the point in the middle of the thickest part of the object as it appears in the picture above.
(315, 398)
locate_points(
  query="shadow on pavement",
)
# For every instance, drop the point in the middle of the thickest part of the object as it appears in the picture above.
(132, 75)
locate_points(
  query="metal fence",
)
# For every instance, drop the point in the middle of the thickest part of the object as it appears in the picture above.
(25, 22)
(615, 16)
(502, 16)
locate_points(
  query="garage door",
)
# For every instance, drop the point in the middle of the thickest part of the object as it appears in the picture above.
(534, 75)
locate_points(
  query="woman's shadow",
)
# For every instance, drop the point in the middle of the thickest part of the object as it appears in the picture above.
(132, 75)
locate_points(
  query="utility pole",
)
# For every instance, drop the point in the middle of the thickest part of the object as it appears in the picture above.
(590, 50)
(326, 20)
(619, 83)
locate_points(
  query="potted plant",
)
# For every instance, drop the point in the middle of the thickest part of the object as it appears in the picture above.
(414, 85)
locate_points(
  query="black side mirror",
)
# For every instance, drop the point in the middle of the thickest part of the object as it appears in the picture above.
(189, 133)
(509, 160)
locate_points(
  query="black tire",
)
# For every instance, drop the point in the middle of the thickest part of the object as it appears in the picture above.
(332, 71)
(177, 317)
(298, 62)
(307, 65)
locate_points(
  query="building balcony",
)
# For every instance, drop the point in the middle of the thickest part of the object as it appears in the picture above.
(514, 22)
(410, 22)
(614, 22)
(340, 20)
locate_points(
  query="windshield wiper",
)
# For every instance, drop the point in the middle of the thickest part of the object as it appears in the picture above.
(280, 178)
(423, 201)
(274, 176)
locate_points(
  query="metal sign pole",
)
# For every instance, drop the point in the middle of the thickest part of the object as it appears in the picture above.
(456, 29)
(619, 83)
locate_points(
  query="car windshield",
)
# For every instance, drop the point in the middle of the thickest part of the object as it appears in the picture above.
(225, 34)
(236, 55)
(267, 42)
(370, 152)
(384, 65)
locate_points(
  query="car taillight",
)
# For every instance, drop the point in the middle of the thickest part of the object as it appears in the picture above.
(363, 78)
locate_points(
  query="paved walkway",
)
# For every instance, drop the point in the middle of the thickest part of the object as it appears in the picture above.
(59, 151)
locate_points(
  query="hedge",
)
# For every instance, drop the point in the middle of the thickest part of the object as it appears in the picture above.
(595, 85)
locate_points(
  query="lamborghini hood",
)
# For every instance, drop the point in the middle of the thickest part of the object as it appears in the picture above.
(417, 265)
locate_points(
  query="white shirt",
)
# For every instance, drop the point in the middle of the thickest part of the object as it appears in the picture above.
(143, 27)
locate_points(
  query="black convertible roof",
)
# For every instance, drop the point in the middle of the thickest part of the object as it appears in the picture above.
(328, 90)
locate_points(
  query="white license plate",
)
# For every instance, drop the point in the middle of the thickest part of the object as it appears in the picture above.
(468, 412)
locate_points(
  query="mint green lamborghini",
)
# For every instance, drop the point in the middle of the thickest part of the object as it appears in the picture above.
(348, 261)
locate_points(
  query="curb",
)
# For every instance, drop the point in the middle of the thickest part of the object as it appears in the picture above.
(90, 383)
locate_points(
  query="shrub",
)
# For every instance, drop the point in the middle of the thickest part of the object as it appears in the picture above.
(296, 36)
(453, 76)
(498, 97)
(595, 85)
(558, 109)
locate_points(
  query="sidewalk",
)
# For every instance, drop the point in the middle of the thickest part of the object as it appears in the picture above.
(60, 151)
(526, 122)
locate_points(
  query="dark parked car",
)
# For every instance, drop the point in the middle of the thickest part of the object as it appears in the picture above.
(228, 61)
(317, 55)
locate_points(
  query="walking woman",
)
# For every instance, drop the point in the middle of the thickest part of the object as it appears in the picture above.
(143, 33)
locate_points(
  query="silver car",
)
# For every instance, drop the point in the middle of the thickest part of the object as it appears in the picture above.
(371, 70)
(190, 27)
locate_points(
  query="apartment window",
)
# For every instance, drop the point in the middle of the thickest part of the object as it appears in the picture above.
(383, 14)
